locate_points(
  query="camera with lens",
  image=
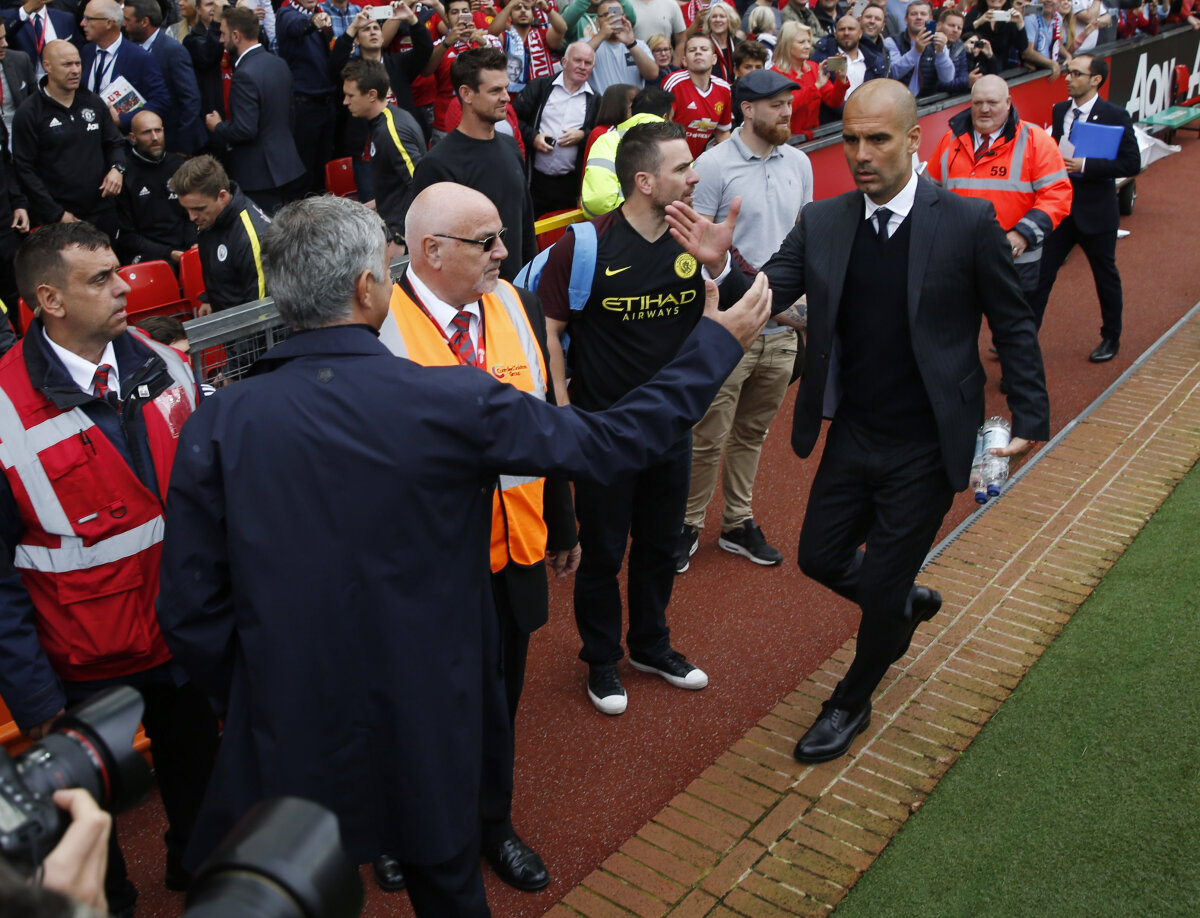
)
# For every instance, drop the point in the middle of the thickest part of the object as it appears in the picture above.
(91, 746)
(283, 860)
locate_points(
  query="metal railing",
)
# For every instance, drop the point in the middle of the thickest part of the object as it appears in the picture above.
(225, 344)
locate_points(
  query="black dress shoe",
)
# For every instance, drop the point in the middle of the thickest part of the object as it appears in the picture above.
(922, 605)
(388, 874)
(1106, 351)
(518, 865)
(832, 734)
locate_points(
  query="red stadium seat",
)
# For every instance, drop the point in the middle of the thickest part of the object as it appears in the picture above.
(155, 291)
(191, 278)
(24, 315)
(339, 178)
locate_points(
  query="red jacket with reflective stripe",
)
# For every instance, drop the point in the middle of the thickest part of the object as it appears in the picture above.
(89, 552)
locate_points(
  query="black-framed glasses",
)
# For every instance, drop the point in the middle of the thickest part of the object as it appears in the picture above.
(486, 243)
(1078, 73)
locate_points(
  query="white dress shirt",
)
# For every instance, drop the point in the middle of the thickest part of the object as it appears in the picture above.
(443, 313)
(99, 78)
(83, 371)
(900, 205)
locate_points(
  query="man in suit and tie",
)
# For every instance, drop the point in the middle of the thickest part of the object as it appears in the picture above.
(899, 275)
(263, 158)
(108, 56)
(16, 78)
(182, 122)
(32, 26)
(1095, 217)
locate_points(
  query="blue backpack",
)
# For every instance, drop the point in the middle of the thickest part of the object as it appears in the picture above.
(583, 267)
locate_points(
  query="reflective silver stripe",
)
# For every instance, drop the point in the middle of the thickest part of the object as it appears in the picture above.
(19, 450)
(1038, 235)
(73, 555)
(608, 164)
(515, 481)
(945, 167)
(1017, 161)
(989, 185)
(529, 345)
(533, 356)
(1034, 254)
(177, 366)
(1040, 183)
(391, 337)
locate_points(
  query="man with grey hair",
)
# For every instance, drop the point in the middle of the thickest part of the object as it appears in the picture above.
(355, 664)
(108, 58)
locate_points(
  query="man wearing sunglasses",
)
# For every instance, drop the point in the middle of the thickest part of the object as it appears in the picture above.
(450, 308)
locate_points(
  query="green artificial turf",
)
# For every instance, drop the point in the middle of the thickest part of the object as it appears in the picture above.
(1081, 796)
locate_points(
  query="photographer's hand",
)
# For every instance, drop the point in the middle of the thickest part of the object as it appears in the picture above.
(38, 732)
(77, 865)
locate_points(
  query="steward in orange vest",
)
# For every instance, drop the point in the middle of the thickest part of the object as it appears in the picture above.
(530, 516)
(86, 450)
(1021, 172)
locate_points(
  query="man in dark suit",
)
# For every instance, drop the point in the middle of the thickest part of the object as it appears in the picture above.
(361, 672)
(899, 275)
(262, 157)
(184, 130)
(31, 26)
(1095, 217)
(108, 56)
(16, 72)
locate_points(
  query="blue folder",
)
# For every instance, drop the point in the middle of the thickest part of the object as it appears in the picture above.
(1096, 141)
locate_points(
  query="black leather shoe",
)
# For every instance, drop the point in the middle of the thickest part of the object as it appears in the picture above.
(518, 865)
(832, 734)
(1106, 351)
(388, 874)
(923, 604)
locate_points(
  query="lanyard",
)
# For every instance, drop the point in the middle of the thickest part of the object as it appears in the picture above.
(102, 76)
(479, 350)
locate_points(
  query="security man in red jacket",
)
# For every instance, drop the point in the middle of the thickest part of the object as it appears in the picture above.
(90, 414)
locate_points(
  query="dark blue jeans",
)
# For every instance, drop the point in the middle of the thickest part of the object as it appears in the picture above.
(648, 506)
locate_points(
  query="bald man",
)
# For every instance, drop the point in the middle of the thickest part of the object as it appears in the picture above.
(67, 152)
(153, 225)
(899, 275)
(377, 583)
(989, 153)
(533, 520)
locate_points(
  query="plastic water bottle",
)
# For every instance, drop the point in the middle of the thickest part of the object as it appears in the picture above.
(977, 484)
(994, 434)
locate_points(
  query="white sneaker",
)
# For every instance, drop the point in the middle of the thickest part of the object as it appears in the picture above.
(605, 690)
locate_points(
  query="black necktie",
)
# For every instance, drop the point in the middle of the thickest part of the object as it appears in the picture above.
(882, 216)
(98, 75)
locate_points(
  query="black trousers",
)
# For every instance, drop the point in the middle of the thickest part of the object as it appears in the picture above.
(553, 192)
(496, 790)
(1101, 252)
(313, 132)
(649, 506)
(451, 889)
(892, 495)
(184, 733)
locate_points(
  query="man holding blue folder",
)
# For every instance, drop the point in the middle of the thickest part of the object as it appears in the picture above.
(1099, 148)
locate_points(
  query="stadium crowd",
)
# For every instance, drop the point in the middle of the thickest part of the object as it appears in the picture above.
(149, 131)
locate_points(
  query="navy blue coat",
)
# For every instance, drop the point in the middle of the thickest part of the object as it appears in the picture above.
(262, 153)
(140, 68)
(20, 32)
(326, 575)
(1094, 206)
(184, 123)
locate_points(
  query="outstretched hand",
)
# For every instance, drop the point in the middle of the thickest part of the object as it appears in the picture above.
(746, 318)
(1017, 447)
(709, 242)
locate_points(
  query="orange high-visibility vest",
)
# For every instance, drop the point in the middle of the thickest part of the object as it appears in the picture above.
(513, 356)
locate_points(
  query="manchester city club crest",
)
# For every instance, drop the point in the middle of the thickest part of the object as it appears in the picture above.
(685, 266)
(222, 252)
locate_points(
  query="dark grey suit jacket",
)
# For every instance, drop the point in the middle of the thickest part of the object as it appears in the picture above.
(960, 269)
(262, 153)
(18, 74)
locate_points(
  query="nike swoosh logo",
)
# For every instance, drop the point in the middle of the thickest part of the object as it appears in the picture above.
(609, 272)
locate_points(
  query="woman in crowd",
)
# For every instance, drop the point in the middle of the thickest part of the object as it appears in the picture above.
(1001, 26)
(721, 25)
(613, 108)
(791, 59)
(664, 56)
(762, 27)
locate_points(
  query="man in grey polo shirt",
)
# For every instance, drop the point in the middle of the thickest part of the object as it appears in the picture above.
(774, 181)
